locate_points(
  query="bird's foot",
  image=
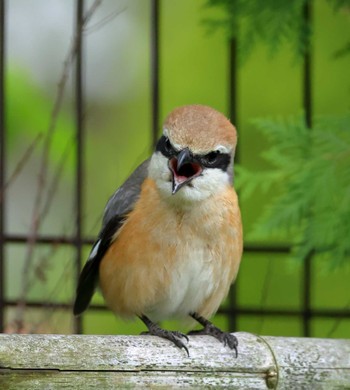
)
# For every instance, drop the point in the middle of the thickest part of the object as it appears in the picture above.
(210, 329)
(172, 335)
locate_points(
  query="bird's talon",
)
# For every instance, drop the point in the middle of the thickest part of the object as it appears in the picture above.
(176, 337)
(210, 329)
(229, 340)
(179, 334)
(173, 336)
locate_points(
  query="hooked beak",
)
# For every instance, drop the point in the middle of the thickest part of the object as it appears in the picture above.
(184, 169)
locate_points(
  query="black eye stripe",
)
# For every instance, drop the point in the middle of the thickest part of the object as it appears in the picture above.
(213, 159)
(164, 146)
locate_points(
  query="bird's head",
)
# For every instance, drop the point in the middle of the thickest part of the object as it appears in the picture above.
(193, 158)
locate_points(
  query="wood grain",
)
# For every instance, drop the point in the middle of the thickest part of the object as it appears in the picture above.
(106, 362)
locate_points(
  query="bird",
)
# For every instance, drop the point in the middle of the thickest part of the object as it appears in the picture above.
(171, 241)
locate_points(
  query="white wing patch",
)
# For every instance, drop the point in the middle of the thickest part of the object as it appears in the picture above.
(94, 250)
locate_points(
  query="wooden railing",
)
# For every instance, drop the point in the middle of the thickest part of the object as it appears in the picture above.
(105, 362)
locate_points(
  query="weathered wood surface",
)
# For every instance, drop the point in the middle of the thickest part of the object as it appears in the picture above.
(106, 362)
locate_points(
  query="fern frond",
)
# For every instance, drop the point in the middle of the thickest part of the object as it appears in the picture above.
(311, 169)
(273, 23)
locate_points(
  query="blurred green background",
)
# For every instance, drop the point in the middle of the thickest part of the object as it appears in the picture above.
(194, 68)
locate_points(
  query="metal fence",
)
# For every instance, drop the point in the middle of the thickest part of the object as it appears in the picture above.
(233, 311)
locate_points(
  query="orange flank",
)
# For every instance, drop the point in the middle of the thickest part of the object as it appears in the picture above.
(167, 262)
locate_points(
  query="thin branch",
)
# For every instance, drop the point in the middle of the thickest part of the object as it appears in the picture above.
(42, 176)
(21, 164)
(59, 285)
(52, 188)
(336, 323)
(101, 23)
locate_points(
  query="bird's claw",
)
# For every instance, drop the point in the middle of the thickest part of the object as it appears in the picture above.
(171, 335)
(176, 337)
(228, 339)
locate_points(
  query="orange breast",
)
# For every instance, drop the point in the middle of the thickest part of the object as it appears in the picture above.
(166, 262)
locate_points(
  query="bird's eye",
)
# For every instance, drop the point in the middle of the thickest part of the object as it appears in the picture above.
(211, 158)
(215, 159)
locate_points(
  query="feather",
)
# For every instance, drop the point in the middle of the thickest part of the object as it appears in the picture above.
(124, 199)
(118, 206)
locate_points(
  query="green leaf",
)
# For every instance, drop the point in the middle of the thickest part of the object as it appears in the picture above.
(311, 169)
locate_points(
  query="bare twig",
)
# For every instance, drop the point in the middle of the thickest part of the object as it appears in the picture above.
(337, 322)
(42, 176)
(21, 163)
(59, 285)
(52, 188)
(101, 23)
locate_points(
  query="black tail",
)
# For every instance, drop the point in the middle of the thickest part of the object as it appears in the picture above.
(89, 275)
(86, 285)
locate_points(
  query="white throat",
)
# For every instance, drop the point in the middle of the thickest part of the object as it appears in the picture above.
(209, 183)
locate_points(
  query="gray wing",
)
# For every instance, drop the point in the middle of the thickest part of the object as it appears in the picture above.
(117, 207)
(123, 200)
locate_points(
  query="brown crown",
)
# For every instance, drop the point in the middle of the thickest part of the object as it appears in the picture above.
(200, 128)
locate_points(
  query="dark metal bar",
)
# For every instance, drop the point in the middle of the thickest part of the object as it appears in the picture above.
(232, 318)
(307, 103)
(233, 87)
(154, 70)
(79, 115)
(53, 305)
(307, 312)
(267, 249)
(54, 240)
(67, 240)
(251, 311)
(2, 163)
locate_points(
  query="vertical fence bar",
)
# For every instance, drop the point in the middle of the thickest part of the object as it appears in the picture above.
(233, 82)
(307, 103)
(232, 320)
(154, 47)
(79, 117)
(2, 162)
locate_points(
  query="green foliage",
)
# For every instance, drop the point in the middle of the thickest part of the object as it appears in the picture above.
(28, 111)
(309, 183)
(272, 23)
(339, 4)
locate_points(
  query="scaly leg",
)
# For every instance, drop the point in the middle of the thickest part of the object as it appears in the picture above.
(156, 330)
(211, 330)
